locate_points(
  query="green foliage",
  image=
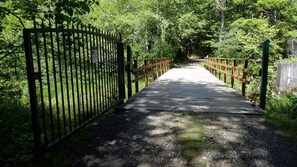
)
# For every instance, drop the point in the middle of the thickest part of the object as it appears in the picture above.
(282, 111)
(246, 36)
(286, 105)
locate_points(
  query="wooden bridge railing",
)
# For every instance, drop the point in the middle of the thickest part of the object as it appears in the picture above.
(150, 70)
(237, 69)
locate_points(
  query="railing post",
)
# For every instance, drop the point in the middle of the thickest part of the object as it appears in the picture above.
(136, 77)
(121, 71)
(221, 61)
(216, 67)
(153, 72)
(233, 72)
(265, 59)
(226, 70)
(157, 68)
(32, 91)
(244, 76)
(129, 53)
(145, 73)
(210, 66)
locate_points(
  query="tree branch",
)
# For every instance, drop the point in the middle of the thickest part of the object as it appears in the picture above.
(15, 15)
(11, 52)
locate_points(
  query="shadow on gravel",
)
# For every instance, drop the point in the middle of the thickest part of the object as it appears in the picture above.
(133, 139)
(249, 141)
(147, 138)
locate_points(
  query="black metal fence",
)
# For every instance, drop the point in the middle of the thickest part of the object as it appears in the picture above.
(75, 73)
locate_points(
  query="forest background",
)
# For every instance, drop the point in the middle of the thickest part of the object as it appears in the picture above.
(153, 28)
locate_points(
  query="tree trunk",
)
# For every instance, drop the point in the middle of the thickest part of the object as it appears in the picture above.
(221, 29)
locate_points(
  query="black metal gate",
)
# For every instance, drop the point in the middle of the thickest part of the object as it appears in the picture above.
(75, 73)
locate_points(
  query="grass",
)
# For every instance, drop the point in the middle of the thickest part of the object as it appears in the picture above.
(282, 112)
(194, 141)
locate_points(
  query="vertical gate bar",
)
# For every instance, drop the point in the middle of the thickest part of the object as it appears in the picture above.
(61, 79)
(114, 63)
(244, 76)
(109, 69)
(99, 69)
(136, 77)
(81, 115)
(96, 72)
(48, 84)
(93, 67)
(89, 113)
(120, 51)
(233, 72)
(40, 84)
(104, 70)
(66, 79)
(265, 61)
(129, 71)
(76, 76)
(32, 90)
(86, 114)
(71, 75)
(89, 69)
(55, 83)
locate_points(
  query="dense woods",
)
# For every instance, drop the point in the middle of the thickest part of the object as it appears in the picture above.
(153, 28)
(179, 28)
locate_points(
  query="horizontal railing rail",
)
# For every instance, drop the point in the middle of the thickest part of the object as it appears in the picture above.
(229, 67)
(149, 72)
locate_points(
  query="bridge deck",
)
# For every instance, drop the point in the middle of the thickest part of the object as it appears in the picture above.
(190, 87)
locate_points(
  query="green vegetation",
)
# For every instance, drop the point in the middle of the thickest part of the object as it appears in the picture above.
(282, 111)
(16, 134)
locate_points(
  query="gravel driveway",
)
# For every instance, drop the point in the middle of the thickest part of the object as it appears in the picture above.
(147, 139)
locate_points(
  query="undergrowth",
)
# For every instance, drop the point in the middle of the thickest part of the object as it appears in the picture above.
(15, 128)
(282, 112)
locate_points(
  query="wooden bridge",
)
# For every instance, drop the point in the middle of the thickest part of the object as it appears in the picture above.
(190, 87)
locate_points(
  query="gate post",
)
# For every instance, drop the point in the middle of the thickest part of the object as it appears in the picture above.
(244, 77)
(121, 72)
(265, 59)
(32, 91)
(129, 71)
